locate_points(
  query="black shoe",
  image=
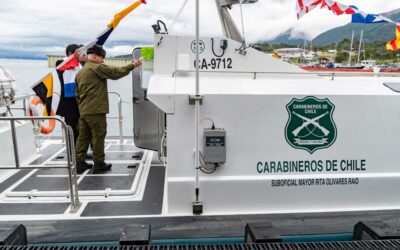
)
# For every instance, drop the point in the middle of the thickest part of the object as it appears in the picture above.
(98, 168)
(81, 167)
(89, 156)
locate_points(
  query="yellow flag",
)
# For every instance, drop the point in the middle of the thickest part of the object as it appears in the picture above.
(44, 89)
(119, 16)
(395, 43)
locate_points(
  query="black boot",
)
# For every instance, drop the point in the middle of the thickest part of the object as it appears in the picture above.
(98, 168)
(81, 167)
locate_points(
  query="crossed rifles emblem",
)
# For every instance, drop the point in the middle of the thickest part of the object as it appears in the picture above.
(308, 121)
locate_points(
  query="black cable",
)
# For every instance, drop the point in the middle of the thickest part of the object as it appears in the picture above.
(165, 27)
(212, 48)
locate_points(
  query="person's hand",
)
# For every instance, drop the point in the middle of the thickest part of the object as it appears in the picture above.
(137, 63)
(83, 58)
(77, 53)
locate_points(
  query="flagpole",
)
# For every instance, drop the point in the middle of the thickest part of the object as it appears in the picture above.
(351, 47)
(197, 202)
(359, 48)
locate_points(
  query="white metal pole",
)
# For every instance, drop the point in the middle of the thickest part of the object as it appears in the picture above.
(351, 47)
(359, 47)
(197, 101)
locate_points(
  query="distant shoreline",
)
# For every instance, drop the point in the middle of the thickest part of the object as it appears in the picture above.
(24, 58)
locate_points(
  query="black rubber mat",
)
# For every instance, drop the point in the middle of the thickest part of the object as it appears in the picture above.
(32, 209)
(116, 169)
(52, 171)
(46, 153)
(105, 182)
(150, 205)
(60, 157)
(43, 184)
(13, 179)
(42, 180)
(123, 156)
(123, 148)
(110, 156)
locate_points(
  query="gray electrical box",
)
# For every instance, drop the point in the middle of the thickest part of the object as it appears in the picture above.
(214, 146)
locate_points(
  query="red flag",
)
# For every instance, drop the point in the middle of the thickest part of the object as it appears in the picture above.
(70, 64)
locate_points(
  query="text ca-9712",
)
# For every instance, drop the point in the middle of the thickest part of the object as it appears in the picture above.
(214, 63)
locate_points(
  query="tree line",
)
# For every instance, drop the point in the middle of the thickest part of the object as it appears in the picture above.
(369, 51)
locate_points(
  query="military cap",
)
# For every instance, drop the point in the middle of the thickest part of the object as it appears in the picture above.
(97, 50)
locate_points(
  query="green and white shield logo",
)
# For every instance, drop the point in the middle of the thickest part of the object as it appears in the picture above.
(310, 126)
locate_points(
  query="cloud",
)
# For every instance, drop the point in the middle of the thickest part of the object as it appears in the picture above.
(49, 25)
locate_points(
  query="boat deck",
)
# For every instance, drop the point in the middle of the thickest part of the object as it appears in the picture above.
(133, 187)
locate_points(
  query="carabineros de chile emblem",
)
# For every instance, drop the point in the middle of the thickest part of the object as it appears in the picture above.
(310, 125)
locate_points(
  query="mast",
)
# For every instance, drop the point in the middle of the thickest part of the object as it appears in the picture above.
(229, 27)
(359, 48)
(197, 203)
(351, 47)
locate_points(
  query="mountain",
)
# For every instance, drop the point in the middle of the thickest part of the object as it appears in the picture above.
(372, 32)
(289, 38)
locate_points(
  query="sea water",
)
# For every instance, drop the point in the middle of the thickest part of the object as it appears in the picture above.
(29, 72)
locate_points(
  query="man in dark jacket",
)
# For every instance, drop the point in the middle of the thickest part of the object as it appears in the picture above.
(68, 107)
(92, 97)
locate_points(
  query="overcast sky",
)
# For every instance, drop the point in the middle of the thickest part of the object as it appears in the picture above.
(46, 26)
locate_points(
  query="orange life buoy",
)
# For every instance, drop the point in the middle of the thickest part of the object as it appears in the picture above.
(44, 129)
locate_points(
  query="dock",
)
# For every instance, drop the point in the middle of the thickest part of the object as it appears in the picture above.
(117, 62)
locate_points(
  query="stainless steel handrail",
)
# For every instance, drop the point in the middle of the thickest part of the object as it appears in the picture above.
(24, 98)
(71, 161)
(120, 117)
(320, 73)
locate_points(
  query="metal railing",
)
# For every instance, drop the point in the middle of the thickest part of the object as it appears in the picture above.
(120, 118)
(71, 161)
(332, 75)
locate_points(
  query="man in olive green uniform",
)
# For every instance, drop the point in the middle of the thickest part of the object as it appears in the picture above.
(92, 97)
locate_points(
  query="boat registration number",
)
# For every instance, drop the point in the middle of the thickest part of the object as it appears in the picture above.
(214, 63)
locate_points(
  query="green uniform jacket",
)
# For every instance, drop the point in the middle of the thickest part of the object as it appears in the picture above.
(92, 91)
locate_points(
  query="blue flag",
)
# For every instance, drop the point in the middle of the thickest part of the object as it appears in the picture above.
(361, 17)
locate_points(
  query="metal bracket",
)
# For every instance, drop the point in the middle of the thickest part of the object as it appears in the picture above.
(194, 98)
